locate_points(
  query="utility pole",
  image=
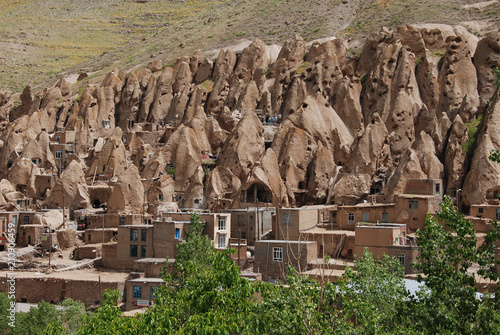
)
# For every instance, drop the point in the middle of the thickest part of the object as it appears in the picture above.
(239, 244)
(103, 228)
(50, 246)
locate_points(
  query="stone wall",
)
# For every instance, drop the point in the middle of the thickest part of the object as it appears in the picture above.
(54, 290)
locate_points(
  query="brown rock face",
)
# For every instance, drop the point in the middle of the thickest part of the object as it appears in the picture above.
(408, 168)
(253, 57)
(293, 51)
(71, 189)
(352, 187)
(392, 92)
(455, 157)
(244, 146)
(410, 36)
(371, 150)
(335, 126)
(128, 192)
(221, 184)
(434, 39)
(26, 102)
(486, 59)
(458, 81)
(484, 175)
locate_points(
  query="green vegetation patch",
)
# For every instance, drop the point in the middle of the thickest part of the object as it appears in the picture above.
(473, 129)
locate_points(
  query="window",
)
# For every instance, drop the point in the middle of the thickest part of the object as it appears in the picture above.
(221, 241)
(350, 218)
(365, 217)
(177, 233)
(385, 217)
(222, 223)
(122, 220)
(143, 251)
(152, 292)
(480, 210)
(278, 254)
(160, 197)
(133, 235)
(437, 189)
(497, 214)
(133, 251)
(58, 154)
(401, 258)
(287, 219)
(58, 139)
(137, 292)
(453, 192)
(14, 220)
(26, 219)
(106, 124)
(143, 234)
(413, 204)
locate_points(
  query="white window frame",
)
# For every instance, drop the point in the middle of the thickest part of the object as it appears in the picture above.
(351, 218)
(221, 241)
(222, 223)
(59, 154)
(278, 254)
(365, 217)
(497, 214)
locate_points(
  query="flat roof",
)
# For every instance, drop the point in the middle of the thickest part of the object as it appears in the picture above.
(249, 209)
(285, 241)
(76, 275)
(137, 226)
(419, 196)
(381, 225)
(367, 204)
(175, 221)
(297, 208)
(147, 280)
(317, 230)
(155, 260)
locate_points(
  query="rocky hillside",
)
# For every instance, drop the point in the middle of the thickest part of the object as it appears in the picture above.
(298, 126)
(41, 39)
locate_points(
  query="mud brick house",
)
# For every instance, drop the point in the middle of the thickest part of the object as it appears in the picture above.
(252, 222)
(387, 238)
(272, 257)
(140, 292)
(291, 221)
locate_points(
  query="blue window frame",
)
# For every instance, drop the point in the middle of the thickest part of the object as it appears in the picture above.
(137, 292)
(177, 233)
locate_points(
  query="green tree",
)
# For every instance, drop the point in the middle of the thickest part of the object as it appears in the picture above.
(452, 263)
(373, 296)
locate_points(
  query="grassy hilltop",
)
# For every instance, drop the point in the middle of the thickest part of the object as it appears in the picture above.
(42, 40)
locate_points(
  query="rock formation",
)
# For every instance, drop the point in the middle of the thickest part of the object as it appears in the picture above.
(310, 126)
